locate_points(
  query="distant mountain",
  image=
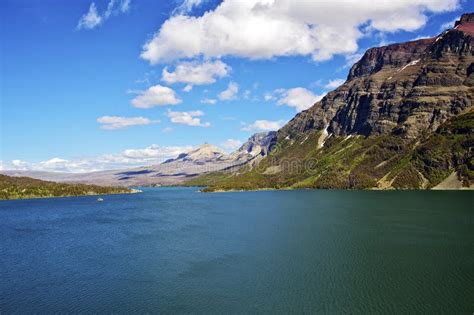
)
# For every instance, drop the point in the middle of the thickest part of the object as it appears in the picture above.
(256, 147)
(206, 153)
(25, 187)
(403, 119)
(206, 158)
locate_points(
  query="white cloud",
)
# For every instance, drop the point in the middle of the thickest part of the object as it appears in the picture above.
(188, 5)
(167, 130)
(187, 118)
(194, 73)
(20, 165)
(229, 93)
(421, 37)
(93, 19)
(154, 151)
(268, 97)
(56, 164)
(266, 125)
(332, 84)
(299, 98)
(188, 88)
(232, 144)
(156, 95)
(150, 155)
(352, 59)
(448, 25)
(263, 29)
(209, 101)
(117, 122)
(125, 6)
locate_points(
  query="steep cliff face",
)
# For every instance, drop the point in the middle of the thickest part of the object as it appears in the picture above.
(257, 146)
(404, 119)
(406, 89)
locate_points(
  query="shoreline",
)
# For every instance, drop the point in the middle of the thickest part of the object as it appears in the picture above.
(370, 189)
(132, 191)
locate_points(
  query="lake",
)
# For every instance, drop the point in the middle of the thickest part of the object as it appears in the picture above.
(176, 250)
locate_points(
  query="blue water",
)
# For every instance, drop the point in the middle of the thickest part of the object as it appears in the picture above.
(175, 250)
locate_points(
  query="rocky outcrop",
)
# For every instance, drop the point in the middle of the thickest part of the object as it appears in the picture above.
(257, 146)
(395, 55)
(406, 89)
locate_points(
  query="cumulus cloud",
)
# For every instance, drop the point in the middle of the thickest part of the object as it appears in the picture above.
(299, 98)
(187, 118)
(266, 125)
(19, 165)
(209, 101)
(154, 152)
(55, 165)
(232, 144)
(195, 73)
(263, 29)
(93, 19)
(156, 95)
(229, 93)
(150, 155)
(117, 122)
(332, 84)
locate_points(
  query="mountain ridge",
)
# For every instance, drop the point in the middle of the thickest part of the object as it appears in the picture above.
(385, 123)
(202, 159)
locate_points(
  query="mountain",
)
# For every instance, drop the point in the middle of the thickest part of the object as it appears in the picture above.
(25, 187)
(203, 159)
(256, 147)
(403, 119)
(205, 153)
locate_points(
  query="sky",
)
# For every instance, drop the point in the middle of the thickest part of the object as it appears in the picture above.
(104, 84)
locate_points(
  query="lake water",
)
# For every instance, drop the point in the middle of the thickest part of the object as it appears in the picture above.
(175, 250)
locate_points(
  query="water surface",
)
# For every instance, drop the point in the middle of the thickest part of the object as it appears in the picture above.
(175, 250)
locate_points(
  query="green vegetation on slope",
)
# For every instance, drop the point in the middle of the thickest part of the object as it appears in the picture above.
(385, 161)
(25, 187)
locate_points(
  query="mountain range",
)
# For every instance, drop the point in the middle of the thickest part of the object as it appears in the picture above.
(403, 119)
(206, 158)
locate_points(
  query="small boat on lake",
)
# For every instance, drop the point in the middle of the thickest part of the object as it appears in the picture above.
(100, 199)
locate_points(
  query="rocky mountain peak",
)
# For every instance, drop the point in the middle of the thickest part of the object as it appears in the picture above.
(206, 151)
(258, 144)
(202, 154)
(394, 55)
(465, 23)
(465, 18)
(408, 89)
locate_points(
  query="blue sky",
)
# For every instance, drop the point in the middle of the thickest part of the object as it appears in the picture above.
(84, 86)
